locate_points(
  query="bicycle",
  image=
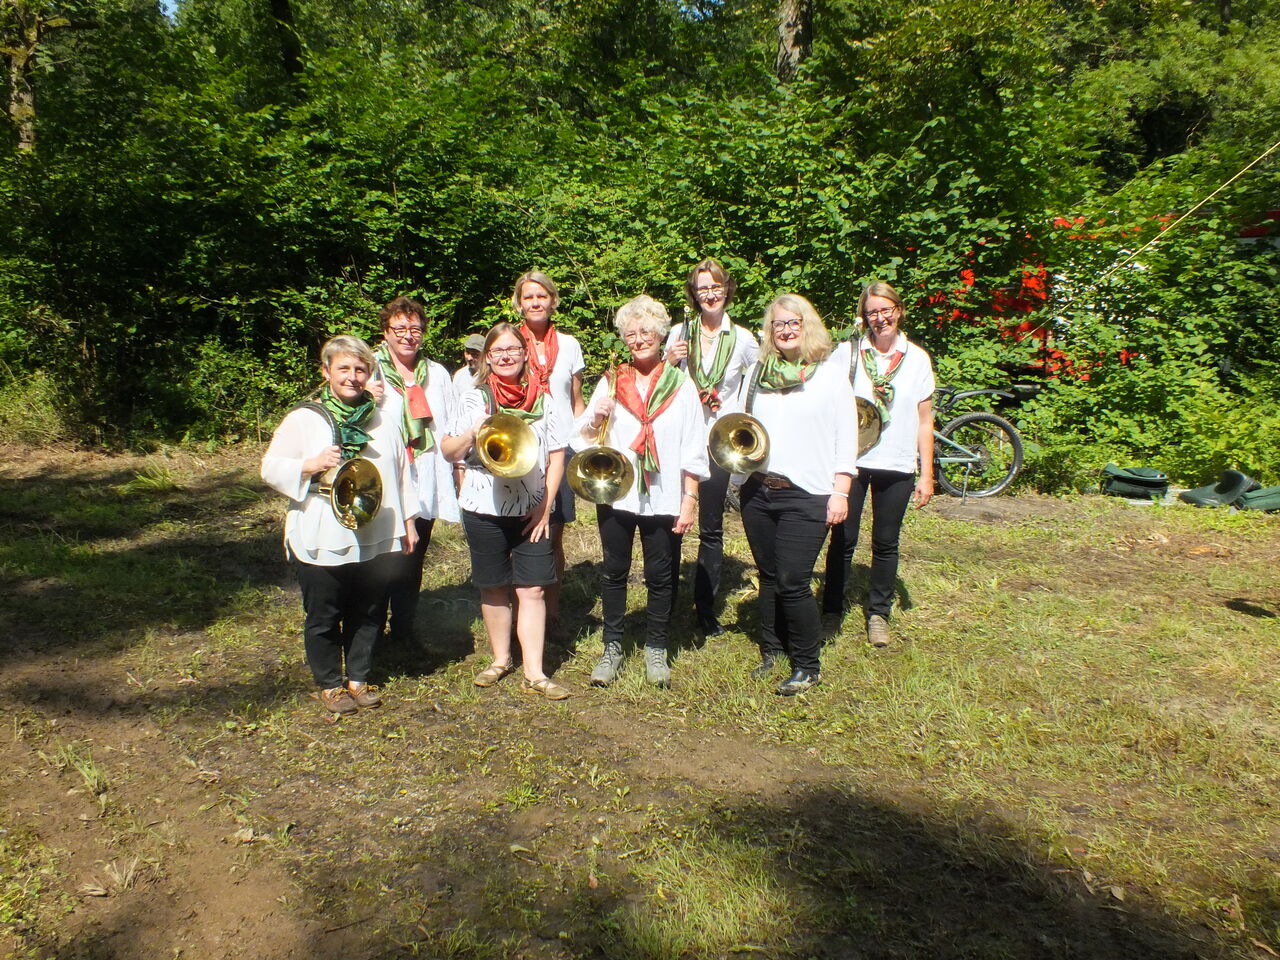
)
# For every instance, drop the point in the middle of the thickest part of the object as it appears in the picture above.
(977, 454)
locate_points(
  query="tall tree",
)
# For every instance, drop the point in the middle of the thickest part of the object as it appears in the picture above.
(795, 37)
(23, 27)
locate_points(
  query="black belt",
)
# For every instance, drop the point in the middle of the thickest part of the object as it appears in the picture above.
(775, 481)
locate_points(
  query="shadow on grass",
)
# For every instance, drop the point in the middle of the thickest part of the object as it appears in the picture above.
(88, 566)
(832, 876)
(1241, 605)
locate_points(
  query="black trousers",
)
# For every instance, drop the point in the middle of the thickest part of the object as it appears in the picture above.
(407, 587)
(660, 546)
(786, 529)
(890, 493)
(343, 607)
(706, 580)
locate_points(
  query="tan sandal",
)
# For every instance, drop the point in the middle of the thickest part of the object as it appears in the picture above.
(492, 674)
(546, 687)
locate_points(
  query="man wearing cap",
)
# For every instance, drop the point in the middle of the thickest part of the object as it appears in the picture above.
(471, 350)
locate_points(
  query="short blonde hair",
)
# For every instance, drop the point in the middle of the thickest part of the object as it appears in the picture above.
(542, 280)
(346, 346)
(815, 341)
(647, 312)
(878, 288)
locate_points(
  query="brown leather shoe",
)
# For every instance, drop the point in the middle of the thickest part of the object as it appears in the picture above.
(492, 674)
(338, 700)
(364, 694)
(545, 687)
(877, 631)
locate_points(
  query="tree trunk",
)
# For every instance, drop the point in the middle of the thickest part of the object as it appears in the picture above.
(795, 36)
(22, 28)
(20, 40)
(290, 47)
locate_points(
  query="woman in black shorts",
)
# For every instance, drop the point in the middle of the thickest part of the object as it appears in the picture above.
(507, 520)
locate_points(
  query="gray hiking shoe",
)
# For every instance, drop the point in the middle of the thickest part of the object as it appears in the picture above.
(877, 631)
(607, 667)
(656, 670)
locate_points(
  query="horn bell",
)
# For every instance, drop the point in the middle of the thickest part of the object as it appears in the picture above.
(739, 443)
(354, 490)
(869, 425)
(507, 446)
(600, 474)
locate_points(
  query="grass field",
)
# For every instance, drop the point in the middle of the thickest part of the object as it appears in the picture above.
(1072, 750)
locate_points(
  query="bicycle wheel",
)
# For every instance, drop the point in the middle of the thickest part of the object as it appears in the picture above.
(991, 460)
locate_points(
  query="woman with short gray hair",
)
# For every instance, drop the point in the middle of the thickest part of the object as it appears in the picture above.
(655, 420)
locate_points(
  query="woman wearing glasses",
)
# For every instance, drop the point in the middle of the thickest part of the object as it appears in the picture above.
(897, 376)
(508, 520)
(555, 365)
(421, 401)
(714, 352)
(802, 399)
(655, 419)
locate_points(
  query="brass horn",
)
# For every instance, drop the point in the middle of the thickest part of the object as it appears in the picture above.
(739, 443)
(601, 474)
(869, 425)
(507, 446)
(354, 490)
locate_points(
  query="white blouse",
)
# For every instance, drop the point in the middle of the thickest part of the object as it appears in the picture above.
(432, 473)
(682, 448)
(898, 447)
(312, 533)
(482, 492)
(746, 348)
(811, 435)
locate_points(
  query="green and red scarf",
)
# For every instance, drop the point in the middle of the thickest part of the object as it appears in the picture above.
(881, 383)
(663, 387)
(350, 421)
(523, 400)
(415, 414)
(708, 383)
(779, 373)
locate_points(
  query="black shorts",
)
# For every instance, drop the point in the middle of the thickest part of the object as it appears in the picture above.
(565, 509)
(501, 555)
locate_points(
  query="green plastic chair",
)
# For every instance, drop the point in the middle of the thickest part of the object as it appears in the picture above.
(1230, 487)
(1265, 498)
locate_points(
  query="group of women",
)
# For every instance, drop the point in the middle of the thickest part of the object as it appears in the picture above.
(403, 413)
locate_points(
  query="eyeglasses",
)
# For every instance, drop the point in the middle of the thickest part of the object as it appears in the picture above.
(888, 313)
(406, 333)
(715, 288)
(795, 323)
(639, 336)
(506, 351)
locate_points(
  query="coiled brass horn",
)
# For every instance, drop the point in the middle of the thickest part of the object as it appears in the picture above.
(739, 443)
(599, 473)
(354, 491)
(507, 446)
(869, 425)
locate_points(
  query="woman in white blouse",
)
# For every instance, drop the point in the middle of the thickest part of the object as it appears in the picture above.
(508, 520)
(343, 573)
(420, 398)
(655, 420)
(715, 352)
(897, 376)
(555, 365)
(802, 488)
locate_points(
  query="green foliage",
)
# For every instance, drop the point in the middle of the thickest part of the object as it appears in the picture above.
(196, 221)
